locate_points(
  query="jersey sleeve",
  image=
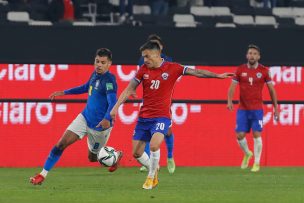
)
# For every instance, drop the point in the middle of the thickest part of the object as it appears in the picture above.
(180, 69)
(236, 77)
(139, 75)
(80, 89)
(111, 85)
(268, 76)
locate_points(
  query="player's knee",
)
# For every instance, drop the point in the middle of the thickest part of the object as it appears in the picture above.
(136, 155)
(154, 148)
(240, 136)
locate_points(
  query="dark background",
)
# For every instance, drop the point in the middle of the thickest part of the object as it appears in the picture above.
(77, 45)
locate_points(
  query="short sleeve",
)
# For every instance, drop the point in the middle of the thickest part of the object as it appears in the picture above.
(139, 75)
(111, 85)
(268, 76)
(181, 69)
(236, 76)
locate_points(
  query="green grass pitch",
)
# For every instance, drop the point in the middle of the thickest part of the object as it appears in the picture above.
(188, 184)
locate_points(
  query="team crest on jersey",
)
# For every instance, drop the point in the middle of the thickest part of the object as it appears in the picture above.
(244, 74)
(97, 84)
(146, 76)
(165, 76)
(259, 75)
(109, 86)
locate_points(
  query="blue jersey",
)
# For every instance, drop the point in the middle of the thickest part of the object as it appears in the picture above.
(166, 58)
(102, 91)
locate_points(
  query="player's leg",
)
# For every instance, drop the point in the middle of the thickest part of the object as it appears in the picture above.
(156, 140)
(158, 130)
(140, 137)
(75, 131)
(67, 139)
(258, 145)
(152, 178)
(257, 127)
(242, 127)
(169, 139)
(147, 151)
(138, 151)
(96, 140)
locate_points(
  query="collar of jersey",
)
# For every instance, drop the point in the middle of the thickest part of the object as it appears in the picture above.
(101, 75)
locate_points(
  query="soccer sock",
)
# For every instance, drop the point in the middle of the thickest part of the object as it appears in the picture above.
(257, 149)
(154, 162)
(52, 159)
(147, 148)
(244, 146)
(144, 160)
(44, 172)
(170, 144)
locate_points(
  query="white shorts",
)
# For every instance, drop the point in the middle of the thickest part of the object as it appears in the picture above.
(96, 139)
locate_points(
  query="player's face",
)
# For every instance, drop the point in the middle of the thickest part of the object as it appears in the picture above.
(102, 64)
(253, 56)
(151, 57)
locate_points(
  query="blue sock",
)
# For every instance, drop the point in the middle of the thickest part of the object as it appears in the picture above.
(52, 159)
(170, 144)
(147, 148)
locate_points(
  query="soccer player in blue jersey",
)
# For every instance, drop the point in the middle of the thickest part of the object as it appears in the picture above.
(169, 138)
(94, 121)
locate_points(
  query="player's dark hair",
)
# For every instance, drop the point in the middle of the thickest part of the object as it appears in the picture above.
(150, 45)
(253, 46)
(156, 38)
(104, 52)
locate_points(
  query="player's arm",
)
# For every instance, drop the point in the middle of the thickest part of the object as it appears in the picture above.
(105, 123)
(131, 88)
(206, 74)
(274, 100)
(231, 91)
(76, 90)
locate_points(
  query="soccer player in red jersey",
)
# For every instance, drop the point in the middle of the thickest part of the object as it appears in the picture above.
(158, 78)
(251, 77)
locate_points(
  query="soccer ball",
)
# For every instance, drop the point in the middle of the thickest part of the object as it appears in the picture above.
(107, 156)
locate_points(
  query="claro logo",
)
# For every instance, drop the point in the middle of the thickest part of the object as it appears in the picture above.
(287, 75)
(23, 113)
(27, 72)
(290, 114)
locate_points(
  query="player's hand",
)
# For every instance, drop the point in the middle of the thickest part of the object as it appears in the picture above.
(230, 106)
(113, 114)
(225, 75)
(56, 94)
(105, 124)
(276, 115)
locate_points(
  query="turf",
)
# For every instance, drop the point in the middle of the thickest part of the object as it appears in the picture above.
(196, 184)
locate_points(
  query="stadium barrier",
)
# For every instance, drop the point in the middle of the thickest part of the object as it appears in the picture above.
(30, 124)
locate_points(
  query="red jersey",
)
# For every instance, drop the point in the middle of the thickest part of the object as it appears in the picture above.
(251, 82)
(158, 85)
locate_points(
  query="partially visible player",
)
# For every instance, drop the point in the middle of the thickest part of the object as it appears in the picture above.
(169, 137)
(94, 121)
(158, 78)
(251, 77)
